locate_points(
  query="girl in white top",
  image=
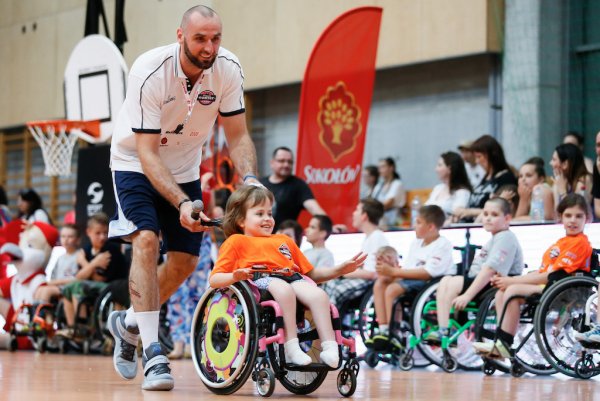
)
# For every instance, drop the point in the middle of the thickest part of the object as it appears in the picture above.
(455, 189)
(30, 207)
(532, 176)
(389, 191)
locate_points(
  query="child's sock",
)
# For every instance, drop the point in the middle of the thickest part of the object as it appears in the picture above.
(330, 354)
(384, 329)
(294, 354)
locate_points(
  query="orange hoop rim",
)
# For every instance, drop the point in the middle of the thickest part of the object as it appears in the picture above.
(91, 127)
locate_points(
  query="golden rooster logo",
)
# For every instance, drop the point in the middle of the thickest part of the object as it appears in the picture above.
(339, 120)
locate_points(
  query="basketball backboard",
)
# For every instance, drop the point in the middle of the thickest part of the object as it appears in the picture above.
(95, 83)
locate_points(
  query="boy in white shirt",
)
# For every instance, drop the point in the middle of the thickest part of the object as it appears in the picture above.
(429, 256)
(365, 218)
(66, 265)
(318, 230)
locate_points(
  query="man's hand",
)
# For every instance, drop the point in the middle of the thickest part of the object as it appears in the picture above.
(357, 261)
(186, 220)
(242, 274)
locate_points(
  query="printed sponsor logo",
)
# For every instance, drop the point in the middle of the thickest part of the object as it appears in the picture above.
(163, 141)
(285, 251)
(339, 119)
(206, 97)
(331, 175)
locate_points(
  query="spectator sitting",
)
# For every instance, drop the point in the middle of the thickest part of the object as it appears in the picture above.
(501, 255)
(31, 208)
(532, 176)
(66, 266)
(570, 173)
(454, 190)
(292, 194)
(474, 170)
(429, 256)
(101, 262)
(292, 229)
(576, 139)
(365, 218)
(370, 176)
(490, 156)
(390, 192)
(318, 230)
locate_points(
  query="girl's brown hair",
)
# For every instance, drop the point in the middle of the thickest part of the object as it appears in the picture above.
(574, 200)
(238, 204)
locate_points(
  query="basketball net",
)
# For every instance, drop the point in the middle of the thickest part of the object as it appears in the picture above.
(57, 140)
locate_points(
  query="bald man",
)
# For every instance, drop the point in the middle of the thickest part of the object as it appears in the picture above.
(174, 95)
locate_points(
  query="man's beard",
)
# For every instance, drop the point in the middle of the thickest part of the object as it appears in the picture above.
(203, 65)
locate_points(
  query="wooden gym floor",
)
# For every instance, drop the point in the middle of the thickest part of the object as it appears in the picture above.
(27, 375)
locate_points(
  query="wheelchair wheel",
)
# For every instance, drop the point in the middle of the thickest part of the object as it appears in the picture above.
(265, 382)
(423, 320)
(346, 382)
(559, 306)
(104, 305)
(528, 357)
(368, 319)
(224, 337)
(300, 382)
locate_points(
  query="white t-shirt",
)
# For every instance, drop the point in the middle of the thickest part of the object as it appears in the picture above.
(435, 258)
(475, 173)
(370, 246)
(394, 190)
(320, 257)
(441, 196)
(156, 104)
(66, 267)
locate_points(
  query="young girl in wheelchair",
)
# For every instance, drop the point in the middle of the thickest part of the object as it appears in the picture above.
(568, 255)
(251, 247)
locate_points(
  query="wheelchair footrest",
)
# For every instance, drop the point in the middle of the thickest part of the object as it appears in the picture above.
(312, 367)
(590, 345)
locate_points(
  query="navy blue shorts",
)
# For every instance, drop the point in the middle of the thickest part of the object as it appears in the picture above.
(141, 207)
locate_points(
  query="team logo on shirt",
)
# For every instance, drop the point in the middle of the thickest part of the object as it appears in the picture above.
(554, 252)
(163, 141)
(206, 97)
(285, 251)
(339, 120)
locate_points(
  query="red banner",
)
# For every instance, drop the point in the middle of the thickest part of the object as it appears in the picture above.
(334, 110)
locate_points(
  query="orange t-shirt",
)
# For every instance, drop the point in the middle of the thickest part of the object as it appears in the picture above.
(277, 251)
(570, 253)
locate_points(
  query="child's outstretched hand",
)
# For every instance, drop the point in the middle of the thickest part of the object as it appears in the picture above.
(357, 261)
(242, 274)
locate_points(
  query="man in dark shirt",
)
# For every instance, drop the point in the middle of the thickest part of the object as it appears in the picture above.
(292, 194)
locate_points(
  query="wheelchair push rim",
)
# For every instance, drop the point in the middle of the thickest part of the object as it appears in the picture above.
(224, 337)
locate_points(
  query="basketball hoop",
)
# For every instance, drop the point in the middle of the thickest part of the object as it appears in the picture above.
(57, 139)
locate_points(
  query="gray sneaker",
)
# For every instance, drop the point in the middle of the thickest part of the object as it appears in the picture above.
(157, 374)
(126, 340)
